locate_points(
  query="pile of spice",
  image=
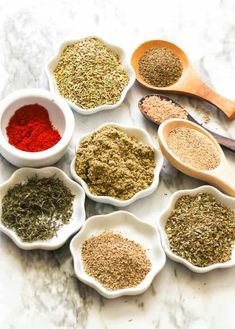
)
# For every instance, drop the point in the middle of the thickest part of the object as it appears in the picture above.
(90, 74)
(37, 208)
(194, 148)
(115, 164)
(201, 230)
(159, 109)
(160, 67)
(115, 261)
(31, 130)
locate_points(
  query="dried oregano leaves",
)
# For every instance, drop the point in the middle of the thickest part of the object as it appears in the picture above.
(90, 74)
(114, 164)
(115, 261)
(201, 230)
(37, 208)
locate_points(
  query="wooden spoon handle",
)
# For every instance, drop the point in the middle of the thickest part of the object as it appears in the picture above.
(225, 179)
(198, 88)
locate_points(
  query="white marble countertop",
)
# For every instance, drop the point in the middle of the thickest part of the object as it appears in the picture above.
(38, 289)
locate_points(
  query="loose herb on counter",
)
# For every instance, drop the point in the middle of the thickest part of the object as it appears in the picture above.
(160, 67)
(115, 261)
(37, 208)
(194, 148)
(90, 74)
(201, 230)
(114, 164)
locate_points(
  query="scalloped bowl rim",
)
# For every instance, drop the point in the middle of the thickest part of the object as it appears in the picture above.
(125, 63)
(165, 214)
(87, 279)
(78, 202)
(139, 195)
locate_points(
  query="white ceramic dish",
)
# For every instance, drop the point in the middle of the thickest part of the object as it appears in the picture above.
(60, 115)
(130, 227)
(125, 63)
(143, 137)
(76, 221)
(224, 199)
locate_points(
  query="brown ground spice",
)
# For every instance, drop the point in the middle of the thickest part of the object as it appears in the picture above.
(114, 164)
(160, 109)
(115, 261)
(160, 67)
(194, 148)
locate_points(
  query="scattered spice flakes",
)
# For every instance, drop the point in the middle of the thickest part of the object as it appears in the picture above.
(160, 67)
(115, 261)
(115, 164)
(201, 230)
(90, 74)
(160, 109)
(194, 148)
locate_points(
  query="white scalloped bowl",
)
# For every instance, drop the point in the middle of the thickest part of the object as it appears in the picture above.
(224, 199)
(51, 65)
(130, 227)
(143, 137)
(76, 221)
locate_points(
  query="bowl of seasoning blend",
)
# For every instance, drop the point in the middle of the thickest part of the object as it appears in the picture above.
(36, 127)
(90, 74)
(116, 164)
(41, 208)
(198, 229)
(117, 254)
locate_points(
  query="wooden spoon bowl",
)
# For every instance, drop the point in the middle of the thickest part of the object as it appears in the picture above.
(222, 176)
(188, 84)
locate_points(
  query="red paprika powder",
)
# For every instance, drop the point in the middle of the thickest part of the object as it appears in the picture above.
(31, 130)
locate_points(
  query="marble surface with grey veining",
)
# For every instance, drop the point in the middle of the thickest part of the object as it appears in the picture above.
(38, 289)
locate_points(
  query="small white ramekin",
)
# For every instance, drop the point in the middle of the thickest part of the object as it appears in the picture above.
(65, 231)
(224, 199)
(130, 227)
(60, 115)
(143, 137)
(51, 65)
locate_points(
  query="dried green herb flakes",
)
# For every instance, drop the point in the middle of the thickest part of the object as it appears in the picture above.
(90, 74)
(201, 230)
(37, 208)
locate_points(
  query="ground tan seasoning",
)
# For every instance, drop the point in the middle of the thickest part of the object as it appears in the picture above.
(194, 148)
(114, 164)
(201, 229)
(160, 67)
(90, 74)
(115, 261)
(160, 109)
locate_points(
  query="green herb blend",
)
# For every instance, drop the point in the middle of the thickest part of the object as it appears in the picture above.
(115, 164)
(37, 208)
(201, 230)
(90, 74)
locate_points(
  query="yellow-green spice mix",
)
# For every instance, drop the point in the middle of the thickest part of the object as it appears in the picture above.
(115, 164)
(90, 74)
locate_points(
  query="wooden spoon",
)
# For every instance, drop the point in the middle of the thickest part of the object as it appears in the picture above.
(223, 141)
(189, 83)
(222, 176)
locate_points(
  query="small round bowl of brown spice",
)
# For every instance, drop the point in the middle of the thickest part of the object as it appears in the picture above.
(117, 164)
(198, 229)
(117, 254)
(41, 208)
(90, 74)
